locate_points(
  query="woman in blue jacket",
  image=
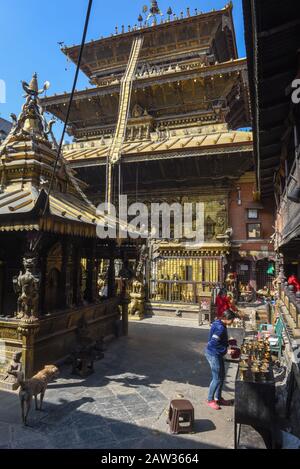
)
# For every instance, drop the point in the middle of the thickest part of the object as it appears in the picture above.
(216, 349)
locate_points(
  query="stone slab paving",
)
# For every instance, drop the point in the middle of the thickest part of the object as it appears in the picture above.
(124, 403)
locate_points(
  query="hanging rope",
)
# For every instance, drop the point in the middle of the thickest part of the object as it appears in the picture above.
(70, 103)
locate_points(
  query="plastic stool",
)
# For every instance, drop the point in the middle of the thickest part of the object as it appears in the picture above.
(181, 416)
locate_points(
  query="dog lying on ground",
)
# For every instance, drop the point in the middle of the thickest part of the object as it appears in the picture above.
(33, 387)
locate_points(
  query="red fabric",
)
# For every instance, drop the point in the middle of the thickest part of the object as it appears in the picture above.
(292, 280)
(223, 303)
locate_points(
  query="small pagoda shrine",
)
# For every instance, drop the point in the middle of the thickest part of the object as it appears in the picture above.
(49, 250)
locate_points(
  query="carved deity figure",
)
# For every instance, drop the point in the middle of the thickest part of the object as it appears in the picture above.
(220, 227)
(13, 369)
(143, 255)
(137, 111)
(137, 287)
(27, 287)
(231, 281)
(137, 297)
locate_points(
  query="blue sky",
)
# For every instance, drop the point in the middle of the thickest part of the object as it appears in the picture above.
(30, 31)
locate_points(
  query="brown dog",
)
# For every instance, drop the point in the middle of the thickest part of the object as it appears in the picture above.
(34, 386)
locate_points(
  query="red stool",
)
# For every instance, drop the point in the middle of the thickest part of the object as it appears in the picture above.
(181, 416)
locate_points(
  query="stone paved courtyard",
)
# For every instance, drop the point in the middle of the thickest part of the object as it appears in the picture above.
(124, 404)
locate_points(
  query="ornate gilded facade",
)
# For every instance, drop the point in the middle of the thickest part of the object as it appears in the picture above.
(178, 131)
(49, 253)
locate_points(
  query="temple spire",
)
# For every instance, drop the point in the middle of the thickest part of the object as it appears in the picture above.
(31, 122)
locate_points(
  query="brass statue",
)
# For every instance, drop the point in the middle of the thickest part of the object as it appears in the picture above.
(230, 281)
(13, 370)
(27, 287)
(137, 294)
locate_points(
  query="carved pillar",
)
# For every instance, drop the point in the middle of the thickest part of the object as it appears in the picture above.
(124, 305)
(43, 263)
(280, 276)
(63, 277)
(27, 333)
(91, 290)
(76, 268)
(68, 282)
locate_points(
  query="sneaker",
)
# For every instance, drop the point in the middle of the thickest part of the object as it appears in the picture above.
(225, 402)
(214, 405)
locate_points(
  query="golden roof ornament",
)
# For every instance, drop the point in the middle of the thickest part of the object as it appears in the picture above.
(153, 11)
(32, 89)
(31, 122)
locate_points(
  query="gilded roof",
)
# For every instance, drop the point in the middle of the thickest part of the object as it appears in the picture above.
(17, 201)
(26, 168)
(211, 143)
(173, 36)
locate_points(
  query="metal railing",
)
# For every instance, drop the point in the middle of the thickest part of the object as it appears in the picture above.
(180, 291)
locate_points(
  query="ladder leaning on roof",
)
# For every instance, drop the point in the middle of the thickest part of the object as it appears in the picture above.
(123, 112)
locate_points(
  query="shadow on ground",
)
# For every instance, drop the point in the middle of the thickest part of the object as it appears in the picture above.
(124, 403)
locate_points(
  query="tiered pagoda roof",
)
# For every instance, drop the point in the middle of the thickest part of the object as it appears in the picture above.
(26, 168)
(187, 66)
(175, 38)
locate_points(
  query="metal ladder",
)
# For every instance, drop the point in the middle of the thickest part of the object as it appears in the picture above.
(124, 100)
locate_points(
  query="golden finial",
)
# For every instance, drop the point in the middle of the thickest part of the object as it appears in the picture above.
(32, 89)
(33, 85)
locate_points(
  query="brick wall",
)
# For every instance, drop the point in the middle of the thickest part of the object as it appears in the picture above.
(238, 215)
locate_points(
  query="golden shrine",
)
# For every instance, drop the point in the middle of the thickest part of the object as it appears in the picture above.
(162, 122)
(50, 255)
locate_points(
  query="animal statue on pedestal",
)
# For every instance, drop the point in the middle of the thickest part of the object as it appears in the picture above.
(13, 370)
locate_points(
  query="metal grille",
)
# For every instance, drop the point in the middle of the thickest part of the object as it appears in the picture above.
(184, 279)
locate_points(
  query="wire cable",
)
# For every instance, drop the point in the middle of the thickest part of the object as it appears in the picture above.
(88, 14)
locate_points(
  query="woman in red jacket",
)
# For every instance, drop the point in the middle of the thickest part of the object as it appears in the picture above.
(223, 302)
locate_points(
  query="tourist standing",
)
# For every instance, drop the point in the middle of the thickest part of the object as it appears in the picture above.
(216, 348)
